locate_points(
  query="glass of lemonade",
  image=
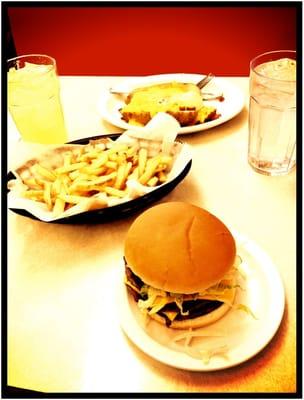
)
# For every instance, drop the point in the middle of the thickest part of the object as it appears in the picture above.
(34, 99)
(272, 113)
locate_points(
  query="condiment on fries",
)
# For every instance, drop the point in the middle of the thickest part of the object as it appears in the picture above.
(98, 170)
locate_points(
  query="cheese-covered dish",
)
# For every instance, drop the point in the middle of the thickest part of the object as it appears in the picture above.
(182, 100)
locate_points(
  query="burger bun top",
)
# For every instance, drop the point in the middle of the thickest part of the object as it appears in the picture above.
(179, 247)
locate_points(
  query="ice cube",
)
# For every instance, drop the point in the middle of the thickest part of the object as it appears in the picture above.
(282, 69)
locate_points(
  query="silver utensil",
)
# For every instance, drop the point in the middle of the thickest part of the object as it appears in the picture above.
(202, 83)
(208, 96)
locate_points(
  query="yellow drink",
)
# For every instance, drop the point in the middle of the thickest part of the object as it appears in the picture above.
(34, 99)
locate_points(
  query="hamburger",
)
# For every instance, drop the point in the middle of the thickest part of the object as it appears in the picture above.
(180, 265)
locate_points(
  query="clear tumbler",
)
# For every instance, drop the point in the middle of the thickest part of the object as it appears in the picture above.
(272, 113)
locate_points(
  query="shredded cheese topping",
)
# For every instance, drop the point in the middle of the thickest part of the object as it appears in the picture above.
(156, 299)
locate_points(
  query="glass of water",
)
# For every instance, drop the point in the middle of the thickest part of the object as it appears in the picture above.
(272, 113)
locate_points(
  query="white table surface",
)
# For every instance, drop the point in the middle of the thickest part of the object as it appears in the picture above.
(63, 329)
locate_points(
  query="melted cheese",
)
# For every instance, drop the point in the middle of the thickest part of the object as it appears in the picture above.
(172, 97)
(157, 299)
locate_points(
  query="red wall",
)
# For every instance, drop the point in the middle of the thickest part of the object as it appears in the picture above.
(151, 40)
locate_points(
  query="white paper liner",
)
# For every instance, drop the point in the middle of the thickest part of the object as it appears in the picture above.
(158, 135)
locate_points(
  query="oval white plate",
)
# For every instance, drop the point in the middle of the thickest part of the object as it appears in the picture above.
(244, 335)
(110, 104)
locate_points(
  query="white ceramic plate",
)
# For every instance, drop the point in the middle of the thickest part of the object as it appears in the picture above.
(110, 104)
(242, 335)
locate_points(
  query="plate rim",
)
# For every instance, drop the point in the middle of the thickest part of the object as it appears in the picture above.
(195, 365)
(183, 130)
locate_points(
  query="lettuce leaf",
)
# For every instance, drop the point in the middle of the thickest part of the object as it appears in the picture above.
(153, 300)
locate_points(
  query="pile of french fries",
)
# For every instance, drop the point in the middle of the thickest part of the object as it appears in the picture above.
(102, 166)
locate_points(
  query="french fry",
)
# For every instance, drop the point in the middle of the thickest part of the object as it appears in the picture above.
(86, 184)
(121, 157)
(56, 187)
(32, 183)
(47, 195)
(77, 153)
(92, 172)
(89, 154)
(73, 199)
(120, 177)
(66, 181)
(162, 177)
(135, 159)
(104, 178)
(113, 157)
(85, 173)
(161, 167)
(115, 192)
(111, 164)
(142, 159)
(36, 195)
(164, 159)
(128, 169)
(152, 181)
(149, 171)
(131, 151)
(93, 188)
(40, 181)
(58, 206)
(100, 160)
(45, 173)
(74, 174)
(71, 167)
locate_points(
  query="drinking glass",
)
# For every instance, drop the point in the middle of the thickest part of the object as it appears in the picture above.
(272, 113)
(34, 99)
